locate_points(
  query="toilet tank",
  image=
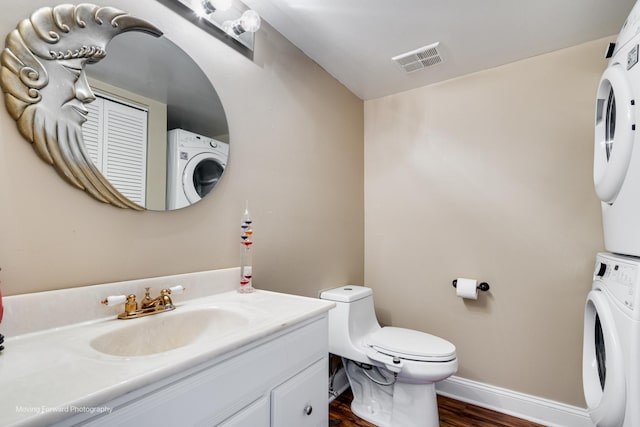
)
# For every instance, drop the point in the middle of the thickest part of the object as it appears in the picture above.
(352, 319)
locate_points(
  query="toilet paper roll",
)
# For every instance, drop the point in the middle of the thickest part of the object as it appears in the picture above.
(467, 288)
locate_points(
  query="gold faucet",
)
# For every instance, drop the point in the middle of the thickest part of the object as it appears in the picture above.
(147, 306)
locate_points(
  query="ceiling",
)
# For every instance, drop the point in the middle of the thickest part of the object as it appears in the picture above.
(354, 40)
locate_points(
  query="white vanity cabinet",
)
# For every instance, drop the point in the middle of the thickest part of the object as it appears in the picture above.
(301, 401)
(278, 381)
(255, 415)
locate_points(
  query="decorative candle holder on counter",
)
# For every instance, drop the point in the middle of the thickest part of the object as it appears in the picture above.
(246, 254)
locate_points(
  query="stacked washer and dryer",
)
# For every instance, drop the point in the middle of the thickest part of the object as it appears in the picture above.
(195, 164)
(611, 342)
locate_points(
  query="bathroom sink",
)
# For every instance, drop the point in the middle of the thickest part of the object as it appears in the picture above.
(167, 331)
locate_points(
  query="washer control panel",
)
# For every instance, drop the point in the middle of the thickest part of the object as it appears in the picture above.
(632, 57)
(630, 28)
(188, 139)
(619, 278)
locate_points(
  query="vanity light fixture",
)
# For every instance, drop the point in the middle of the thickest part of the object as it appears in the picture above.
(226, 19)
(210, 6)
(248, 22)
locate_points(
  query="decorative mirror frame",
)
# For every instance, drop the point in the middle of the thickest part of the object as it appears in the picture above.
(53, 46)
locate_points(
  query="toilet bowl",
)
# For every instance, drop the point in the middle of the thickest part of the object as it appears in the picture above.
(392, 371)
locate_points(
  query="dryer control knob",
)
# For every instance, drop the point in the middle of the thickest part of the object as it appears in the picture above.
(213, 144)
(601, 269)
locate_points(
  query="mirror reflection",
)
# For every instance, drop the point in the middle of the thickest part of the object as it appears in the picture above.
(157, 129)
(137, 125)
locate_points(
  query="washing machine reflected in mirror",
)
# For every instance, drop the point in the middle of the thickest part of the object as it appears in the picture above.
(195, 164)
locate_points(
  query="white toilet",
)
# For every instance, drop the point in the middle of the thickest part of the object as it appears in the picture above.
(392, 371)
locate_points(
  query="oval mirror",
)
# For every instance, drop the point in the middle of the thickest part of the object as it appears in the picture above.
(148, 79)
(153, 130)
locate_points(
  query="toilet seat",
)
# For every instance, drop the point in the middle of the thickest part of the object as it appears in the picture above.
(409, 344)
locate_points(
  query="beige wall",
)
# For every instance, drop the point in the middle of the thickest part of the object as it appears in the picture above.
(489, 176)
(296, 155)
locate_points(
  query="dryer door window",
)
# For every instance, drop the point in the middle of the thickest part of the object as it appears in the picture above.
(206, 175)
(614, 133)
(601, 352)
(603, 375)
(610, 124)
(201, 174)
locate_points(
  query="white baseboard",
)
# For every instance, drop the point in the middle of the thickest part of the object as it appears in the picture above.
(532, 408)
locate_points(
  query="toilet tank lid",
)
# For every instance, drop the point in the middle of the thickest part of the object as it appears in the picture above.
(349, 293)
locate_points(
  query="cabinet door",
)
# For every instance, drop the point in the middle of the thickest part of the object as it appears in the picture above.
(302, 401)
(254, 415)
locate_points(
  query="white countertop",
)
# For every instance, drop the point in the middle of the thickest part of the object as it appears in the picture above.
(49, 375)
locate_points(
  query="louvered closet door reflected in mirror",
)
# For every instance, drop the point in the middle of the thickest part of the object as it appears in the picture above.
(115, 136)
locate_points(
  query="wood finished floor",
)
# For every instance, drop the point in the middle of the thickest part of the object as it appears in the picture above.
(453, 413)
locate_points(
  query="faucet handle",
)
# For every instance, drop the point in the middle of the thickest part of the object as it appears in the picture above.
(114, 300)
(178, 289)
(131, 305)
(129, 301)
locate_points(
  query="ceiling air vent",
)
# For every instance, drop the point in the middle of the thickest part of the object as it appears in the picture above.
(420, 58)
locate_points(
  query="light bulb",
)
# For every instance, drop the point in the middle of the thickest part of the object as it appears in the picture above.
(227, 27)
(210, 6)
(206, 8)
(250, 21)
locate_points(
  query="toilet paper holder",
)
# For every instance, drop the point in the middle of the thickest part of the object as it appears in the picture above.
(484, 286)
